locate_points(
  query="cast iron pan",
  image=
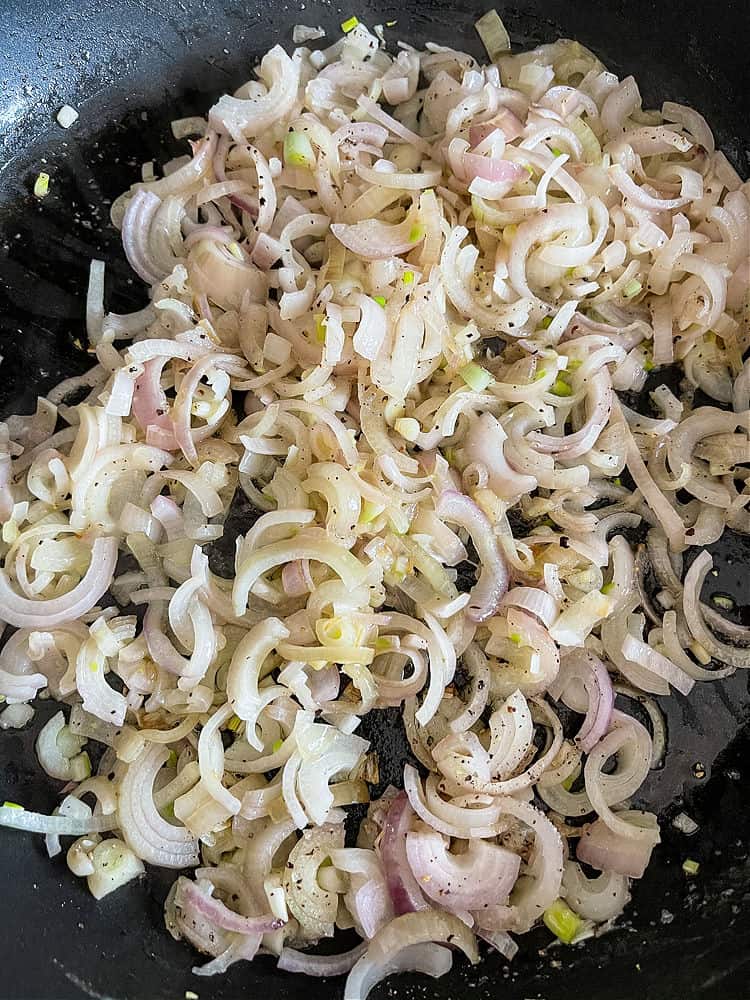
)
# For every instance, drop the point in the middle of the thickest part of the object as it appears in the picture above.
(130, 67)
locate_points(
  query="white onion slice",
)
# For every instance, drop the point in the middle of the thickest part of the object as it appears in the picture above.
(430, 959)
(25, 613)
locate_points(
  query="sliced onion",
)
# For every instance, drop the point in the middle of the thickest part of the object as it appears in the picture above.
(630, 190)
(512, 733)
(67, 826)
(492, 584)
(539, 886)
(45, 614)
(374, 240)
(368, 899)
(405, 893)
(580, 666)
(322, 966)
(535, 601)
(645, 656)
(191, 898)
(253, 117)
(475, 815)
(735, 656)
(149, 836)
(314, 907)
(136, 229)
(603, 848)
(574, 445)
(476, 663)
(419, 928)
(484, 444)
(633, 766)
(601, 898)
(490, 169)
(668, 518)
(482, 876)
(429, 959)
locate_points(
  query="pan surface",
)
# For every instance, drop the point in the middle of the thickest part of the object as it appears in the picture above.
(129, 67)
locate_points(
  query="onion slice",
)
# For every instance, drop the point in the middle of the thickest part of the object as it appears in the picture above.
(23, 612)
(490, 588)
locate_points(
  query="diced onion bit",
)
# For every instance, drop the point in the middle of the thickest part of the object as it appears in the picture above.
(476, 377)
(407, 427)
(114, 865)
(301, 33)
(685, 824)
(298, 150)
(67, 116)
(364, 449)
(494, 34)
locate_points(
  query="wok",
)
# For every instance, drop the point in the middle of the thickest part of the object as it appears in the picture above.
(130, 67)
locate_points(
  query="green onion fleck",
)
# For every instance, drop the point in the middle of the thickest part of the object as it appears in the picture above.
(515, 638)
(172, 759)
(298, 151)
(380, 299)
(476, 377)
(41, 185)
(561, 388)
(12, 805)
(648, 365)
(320, 328)
(234, 723)
(562, 921)
(632, 288)
(617, 481)
(277, 745)
(690, 867)
(557, 152)
(370, 511)
(723, 601)
(390, 24)
(476, 208)
(409, 278)
(80, 767)
(546, 322)
(416, 233)
(573, 364)
(608, 587)
(349, 24)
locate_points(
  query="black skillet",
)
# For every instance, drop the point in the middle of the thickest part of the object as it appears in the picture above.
(130, 67)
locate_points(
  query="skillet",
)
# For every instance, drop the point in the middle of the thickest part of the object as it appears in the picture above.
(130, 67)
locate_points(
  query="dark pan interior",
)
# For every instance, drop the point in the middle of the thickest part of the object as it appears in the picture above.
(130, 67)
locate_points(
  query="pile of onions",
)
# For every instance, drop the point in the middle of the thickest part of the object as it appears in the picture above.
(363, 450)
